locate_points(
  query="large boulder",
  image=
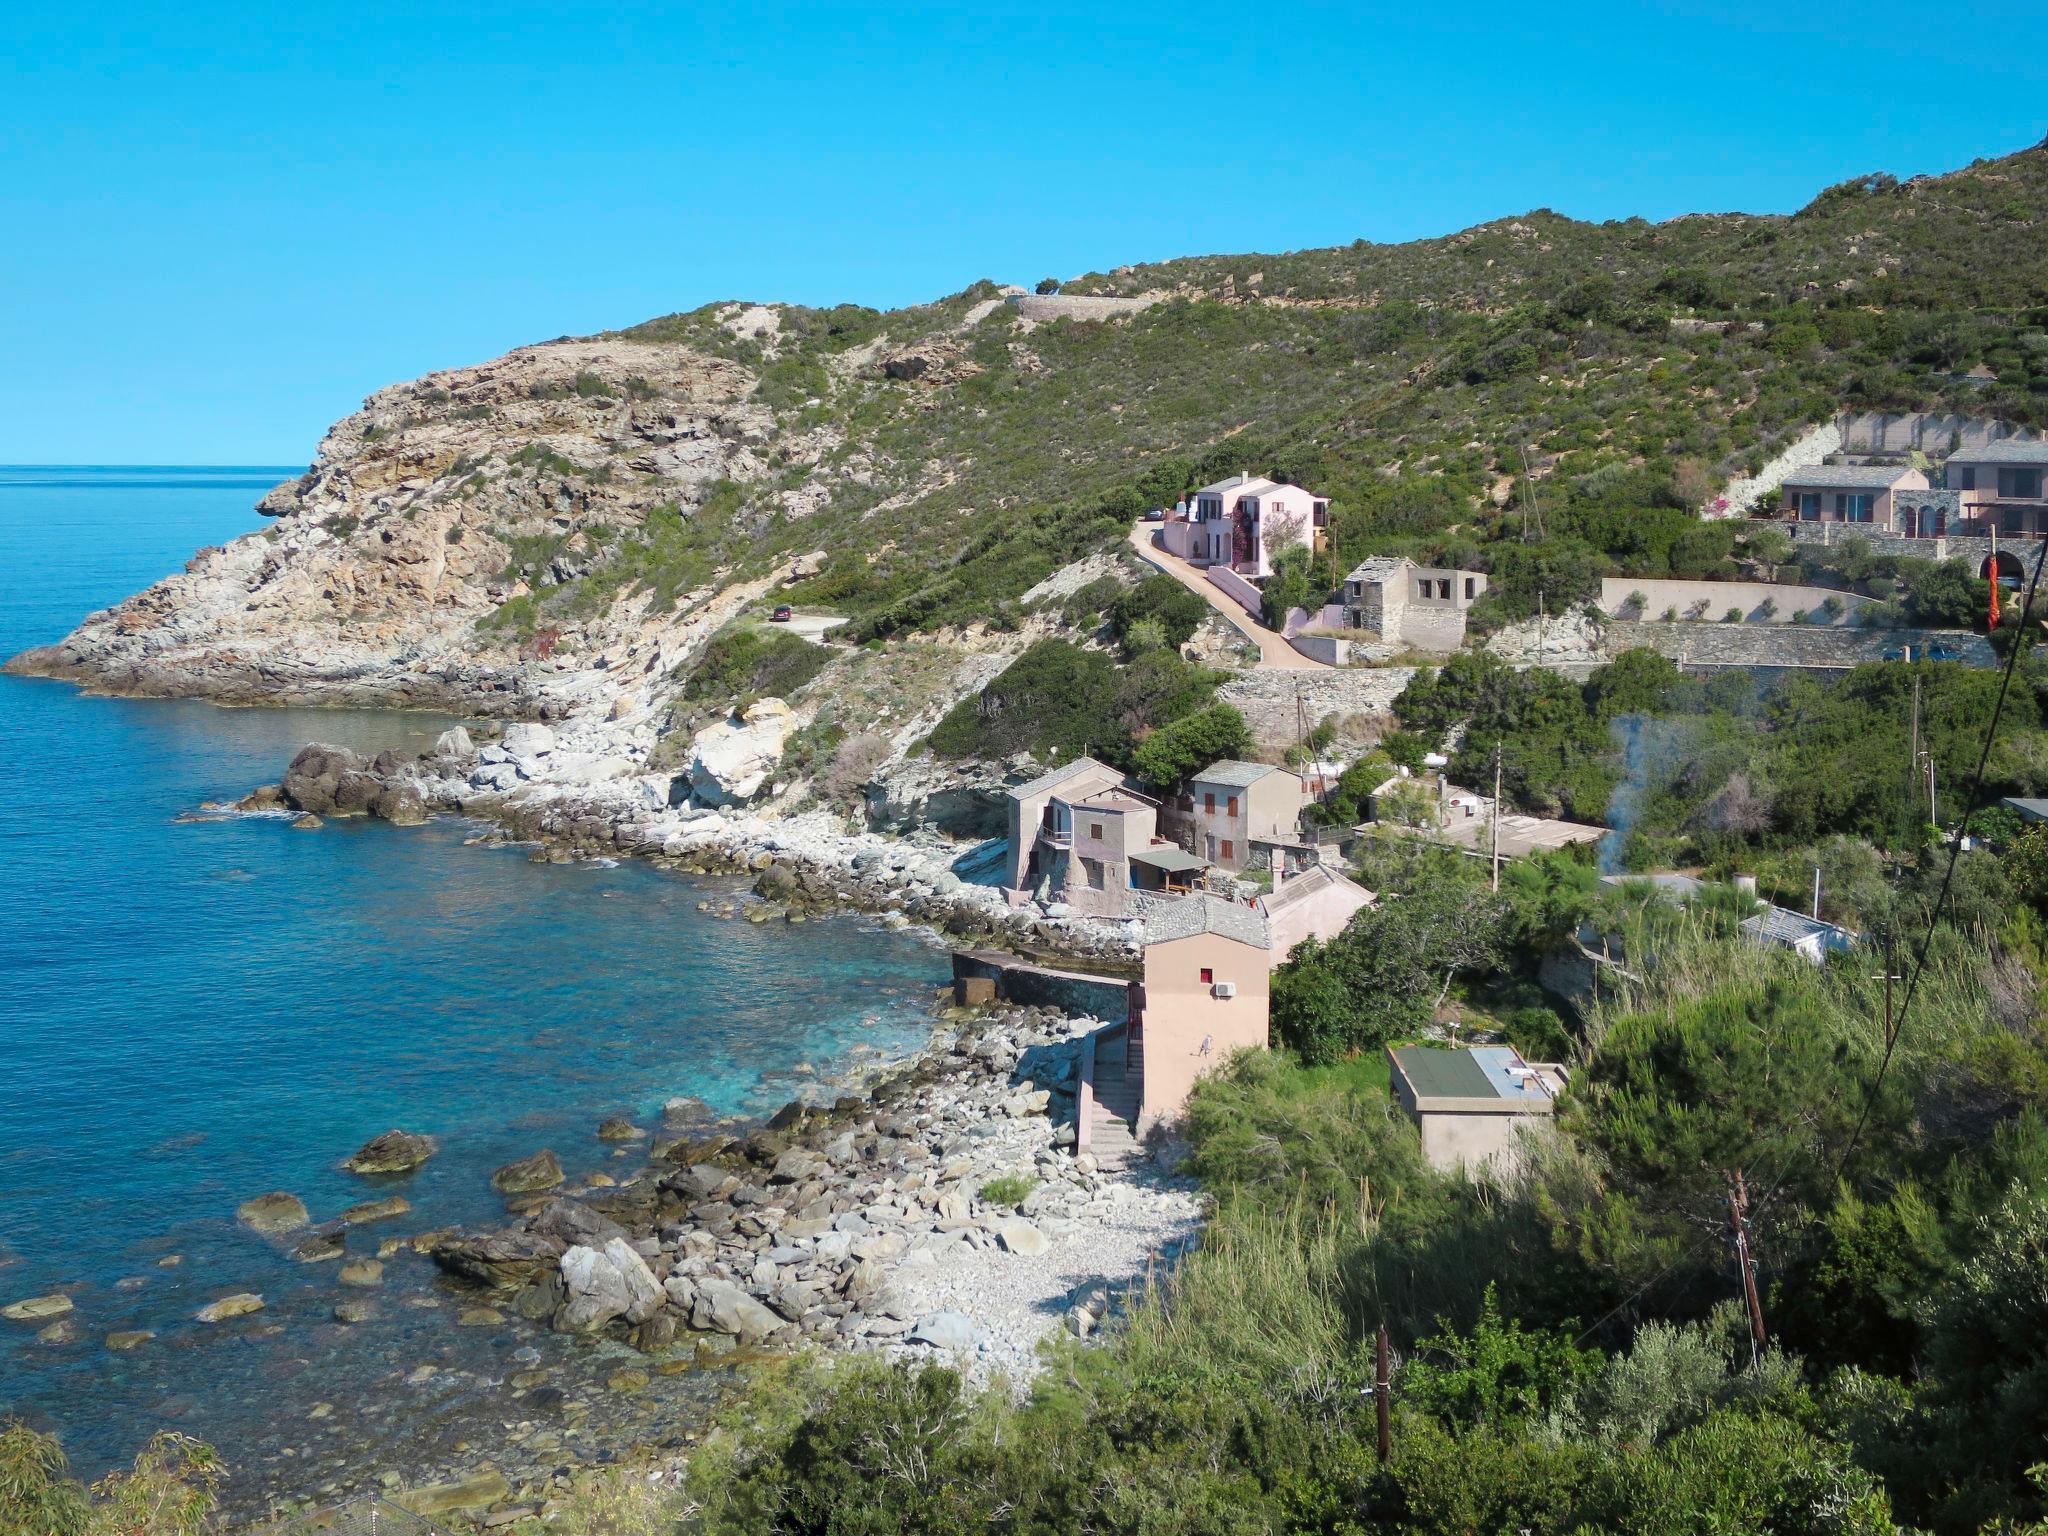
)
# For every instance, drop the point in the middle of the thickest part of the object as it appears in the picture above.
(571, 1221)
(722, 1307)
(601, 1284)
(543, 1170)
(499, 1260)
(241, 1304)
(400, 804)
(948, 1330)
(314, 777)
(528, 741)
(454, 743)
(392, 1152)
(733, 761)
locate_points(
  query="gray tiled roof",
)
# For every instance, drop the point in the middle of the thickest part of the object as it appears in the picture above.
(1379, 568)
(1849, 477)
(1055, 778)
(1203, 913)
(1235, 774)
(2009, 450)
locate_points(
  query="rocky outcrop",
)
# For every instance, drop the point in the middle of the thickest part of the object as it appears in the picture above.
(279, 1211)
(333, 781)
(393, 1152)
(541, 1171)
(411, 531)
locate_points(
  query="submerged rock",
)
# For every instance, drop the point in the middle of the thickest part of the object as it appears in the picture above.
(392, 1152)
(480, 1490)
(365, 1273)
(129, 1338)
(241, 1304)
(35, 1308)
(278, 1211)
(365, 1211)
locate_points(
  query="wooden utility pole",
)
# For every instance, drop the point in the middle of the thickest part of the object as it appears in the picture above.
(1382, 1392)
(1738, 1222)
(1496, 819)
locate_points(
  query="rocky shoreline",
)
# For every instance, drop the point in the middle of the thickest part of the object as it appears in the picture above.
(942, 1212)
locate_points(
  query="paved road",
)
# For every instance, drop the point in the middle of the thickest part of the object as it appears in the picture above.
(1275, 654)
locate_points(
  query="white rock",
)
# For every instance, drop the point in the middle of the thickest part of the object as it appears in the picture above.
(1022, 1238)
(732, 762)
(527, 740)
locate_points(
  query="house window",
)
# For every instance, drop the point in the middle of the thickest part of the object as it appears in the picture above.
(1208, 975)
(1093, 869)
(2024, 483)
(1422, 589)
(1230, 806)
(1443, 589)
(1852, 508)
(1809, 506)
(1095, 830)
(1322, 514)
(2012, 521)
(1965, 479)
(1208, 803)
(1227, 851)
(1470, 583)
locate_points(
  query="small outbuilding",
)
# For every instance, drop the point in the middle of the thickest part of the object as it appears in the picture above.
(1474, 1104)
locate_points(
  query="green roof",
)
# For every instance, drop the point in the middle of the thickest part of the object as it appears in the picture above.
(1435, 1073)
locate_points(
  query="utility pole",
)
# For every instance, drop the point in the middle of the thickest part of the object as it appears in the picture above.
(1738, 1221)
(1816, 893)
(1382, 1390)
(1496, 819)
(1912, 763)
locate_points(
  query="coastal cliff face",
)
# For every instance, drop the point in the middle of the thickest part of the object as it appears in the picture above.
(393, 555)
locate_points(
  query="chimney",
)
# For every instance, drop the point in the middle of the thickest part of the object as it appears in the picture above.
(1746, 884)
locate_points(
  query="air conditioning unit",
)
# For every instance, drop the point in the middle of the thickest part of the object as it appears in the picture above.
(1224, 990)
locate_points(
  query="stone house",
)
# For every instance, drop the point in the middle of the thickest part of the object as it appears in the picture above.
(1849, 493)
(1421, 606)
(1474, 1105)
(1230, 809)
(1082, 836)
(1314, 904)
(1243, 522)
(1207, 984)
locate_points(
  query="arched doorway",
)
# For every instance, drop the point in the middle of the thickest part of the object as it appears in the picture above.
(2005, 565)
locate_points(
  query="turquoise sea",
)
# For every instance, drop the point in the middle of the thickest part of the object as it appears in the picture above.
(195, 1010)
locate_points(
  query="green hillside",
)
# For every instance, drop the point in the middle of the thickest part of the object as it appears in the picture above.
(1408, 381)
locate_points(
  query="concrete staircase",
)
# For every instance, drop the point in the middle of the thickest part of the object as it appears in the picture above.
(1119, 1088)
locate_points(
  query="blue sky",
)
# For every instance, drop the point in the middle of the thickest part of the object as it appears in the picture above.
(220, 227)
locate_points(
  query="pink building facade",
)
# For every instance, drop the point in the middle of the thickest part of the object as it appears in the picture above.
(1245, 521)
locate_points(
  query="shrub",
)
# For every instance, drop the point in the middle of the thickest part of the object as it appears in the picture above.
(1009, 1190)
(1732, 616)
(1170, 754)
(1048, 285)
(740, 663)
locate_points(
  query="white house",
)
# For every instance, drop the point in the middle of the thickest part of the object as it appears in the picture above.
(1243, 522)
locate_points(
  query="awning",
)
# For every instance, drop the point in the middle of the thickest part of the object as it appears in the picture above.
(1174, 861)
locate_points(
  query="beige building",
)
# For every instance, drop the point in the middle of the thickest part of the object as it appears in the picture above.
(1474, 1105)
(1231, 806)
(1315, 904)
(1848, 493)
(1421, 606)
(1208, 979)
(1081, 836)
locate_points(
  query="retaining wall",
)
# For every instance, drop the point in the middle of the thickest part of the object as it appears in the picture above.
(1809, 646)
(1935, 433)
(1237, 589)
(1042, 986)
(1971, 548)
(1720, 596)
(1267, 699)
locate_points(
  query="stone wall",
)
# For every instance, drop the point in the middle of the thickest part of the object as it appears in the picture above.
(1041, 986)
(1934, 433)
(1267, 699)
(1811, 646)
(1973, 549)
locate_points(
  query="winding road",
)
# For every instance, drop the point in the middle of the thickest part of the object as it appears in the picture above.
(1275, 654)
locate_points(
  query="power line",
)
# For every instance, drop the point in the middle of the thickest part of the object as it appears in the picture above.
(1897, 1027)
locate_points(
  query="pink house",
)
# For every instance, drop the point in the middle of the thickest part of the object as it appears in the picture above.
(1849, 493)
(1243, 522)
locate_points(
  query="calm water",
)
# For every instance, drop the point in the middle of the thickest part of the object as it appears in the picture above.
(194, 1011)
